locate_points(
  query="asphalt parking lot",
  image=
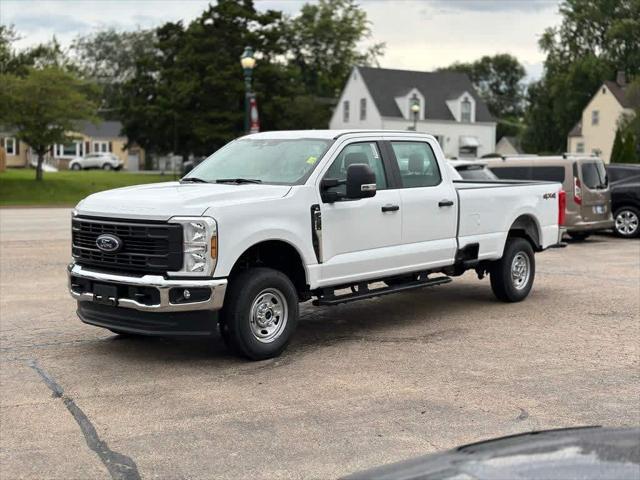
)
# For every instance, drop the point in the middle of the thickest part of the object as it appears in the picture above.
(361, 385)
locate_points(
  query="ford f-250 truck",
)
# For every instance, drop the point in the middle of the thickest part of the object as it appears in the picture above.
(275, 219)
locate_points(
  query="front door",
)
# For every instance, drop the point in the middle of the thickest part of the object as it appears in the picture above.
(359, 236)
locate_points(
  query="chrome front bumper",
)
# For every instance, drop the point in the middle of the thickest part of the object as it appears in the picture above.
(215, 301)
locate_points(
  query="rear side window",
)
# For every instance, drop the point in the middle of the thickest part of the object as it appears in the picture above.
(594, 175)
(550, 174)
(417, 164)
(512, 173)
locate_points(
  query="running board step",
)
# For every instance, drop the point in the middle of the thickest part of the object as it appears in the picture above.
(363, 292)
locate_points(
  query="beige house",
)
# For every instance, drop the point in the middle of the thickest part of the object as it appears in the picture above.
(596, 130)
(90, 138)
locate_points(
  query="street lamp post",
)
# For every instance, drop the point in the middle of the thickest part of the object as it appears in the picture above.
(248, 62)
(415, 109)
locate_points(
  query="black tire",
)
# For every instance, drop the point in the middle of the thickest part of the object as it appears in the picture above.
(76, 166)
(107, 166)
(579, 236)
(235, 323)
(505, 287)
(627, 222)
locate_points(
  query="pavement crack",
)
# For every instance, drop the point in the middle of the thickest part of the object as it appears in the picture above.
(120, 466)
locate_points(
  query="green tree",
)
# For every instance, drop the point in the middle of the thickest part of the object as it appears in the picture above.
(595, 39)
(109, 57)
(618, 147)
(499, 81)
(43, 106)
(323, 44)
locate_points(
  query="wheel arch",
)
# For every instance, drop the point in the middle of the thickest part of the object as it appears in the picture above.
(279, 255)
(526, 226)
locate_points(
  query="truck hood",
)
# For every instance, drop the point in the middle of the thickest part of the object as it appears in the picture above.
(161, 201)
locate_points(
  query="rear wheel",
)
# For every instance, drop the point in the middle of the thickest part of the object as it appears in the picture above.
(627, 222)
(579, 236)
(76, 166)
(260, 313)
(512, 276)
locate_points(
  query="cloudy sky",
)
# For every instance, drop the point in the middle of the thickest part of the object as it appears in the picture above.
(419, 34)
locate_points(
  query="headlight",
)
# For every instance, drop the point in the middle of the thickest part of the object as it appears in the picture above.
(200, 246)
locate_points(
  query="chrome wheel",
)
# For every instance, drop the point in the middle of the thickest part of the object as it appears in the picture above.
(268, 315)
(520, 270)
(626, 223)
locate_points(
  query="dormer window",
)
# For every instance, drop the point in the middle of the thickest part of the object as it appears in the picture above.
(465, 110)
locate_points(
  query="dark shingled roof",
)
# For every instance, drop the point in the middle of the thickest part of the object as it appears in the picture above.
(576, 131)
(103, 129)
(437, 87)
(618, 92)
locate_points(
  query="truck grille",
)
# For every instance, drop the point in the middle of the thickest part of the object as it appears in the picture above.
(146, 247)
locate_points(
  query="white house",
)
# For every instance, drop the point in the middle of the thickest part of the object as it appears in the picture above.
(444, 104)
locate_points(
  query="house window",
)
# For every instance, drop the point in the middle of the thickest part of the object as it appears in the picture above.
(363, 109)
(580, 147)
(72, 149)
(595, 117)
(465, 111)
(9, 145)
(100, 146)
(345, 111)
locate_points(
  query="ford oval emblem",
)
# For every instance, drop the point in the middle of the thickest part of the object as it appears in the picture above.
(109, 243)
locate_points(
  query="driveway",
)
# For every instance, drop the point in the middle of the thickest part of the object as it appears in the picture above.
(362, 384)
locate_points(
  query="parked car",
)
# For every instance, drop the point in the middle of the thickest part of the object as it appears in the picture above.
(625, 199)
(104, 160)
(588, 453)
(584, 178)
(473, 170)
(277, 218)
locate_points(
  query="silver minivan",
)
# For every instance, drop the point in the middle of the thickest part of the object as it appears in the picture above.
(584, 179)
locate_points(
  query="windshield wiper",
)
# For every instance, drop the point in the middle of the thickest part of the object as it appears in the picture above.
(193, 180)
(238, 180)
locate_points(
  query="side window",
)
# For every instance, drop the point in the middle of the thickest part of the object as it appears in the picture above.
(512, 173)
(417, 164)
(551, 174)
(367, 153)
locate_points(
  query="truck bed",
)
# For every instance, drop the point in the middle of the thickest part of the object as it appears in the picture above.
(486, 219)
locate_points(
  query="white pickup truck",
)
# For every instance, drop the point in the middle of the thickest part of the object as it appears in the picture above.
(275, 219)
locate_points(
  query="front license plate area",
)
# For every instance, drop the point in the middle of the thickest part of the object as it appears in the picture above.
(599, 209)
(105, 294)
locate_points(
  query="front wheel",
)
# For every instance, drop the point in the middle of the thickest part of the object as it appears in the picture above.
(627, 222)
(260, 313)
(512, 276)
(107, 166)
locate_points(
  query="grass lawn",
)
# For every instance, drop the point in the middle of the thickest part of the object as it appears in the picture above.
(18, 186)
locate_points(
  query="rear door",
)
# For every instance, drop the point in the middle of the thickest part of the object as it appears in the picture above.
(595, 205)
(429, 205)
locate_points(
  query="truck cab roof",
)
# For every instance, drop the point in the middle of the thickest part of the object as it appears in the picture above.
(331, 134)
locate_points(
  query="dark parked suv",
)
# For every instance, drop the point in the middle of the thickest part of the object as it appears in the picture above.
(624, 180)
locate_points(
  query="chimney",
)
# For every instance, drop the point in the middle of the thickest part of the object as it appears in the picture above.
(621, 78)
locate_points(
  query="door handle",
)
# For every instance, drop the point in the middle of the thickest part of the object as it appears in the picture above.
(445, 203)
(390, 208)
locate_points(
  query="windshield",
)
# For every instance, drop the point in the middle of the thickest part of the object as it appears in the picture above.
(476, 172)
(275, 161)
(594, 175)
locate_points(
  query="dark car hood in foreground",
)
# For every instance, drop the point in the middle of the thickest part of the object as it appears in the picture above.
(575, 453)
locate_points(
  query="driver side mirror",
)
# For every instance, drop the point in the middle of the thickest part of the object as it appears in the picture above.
(361, 181)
